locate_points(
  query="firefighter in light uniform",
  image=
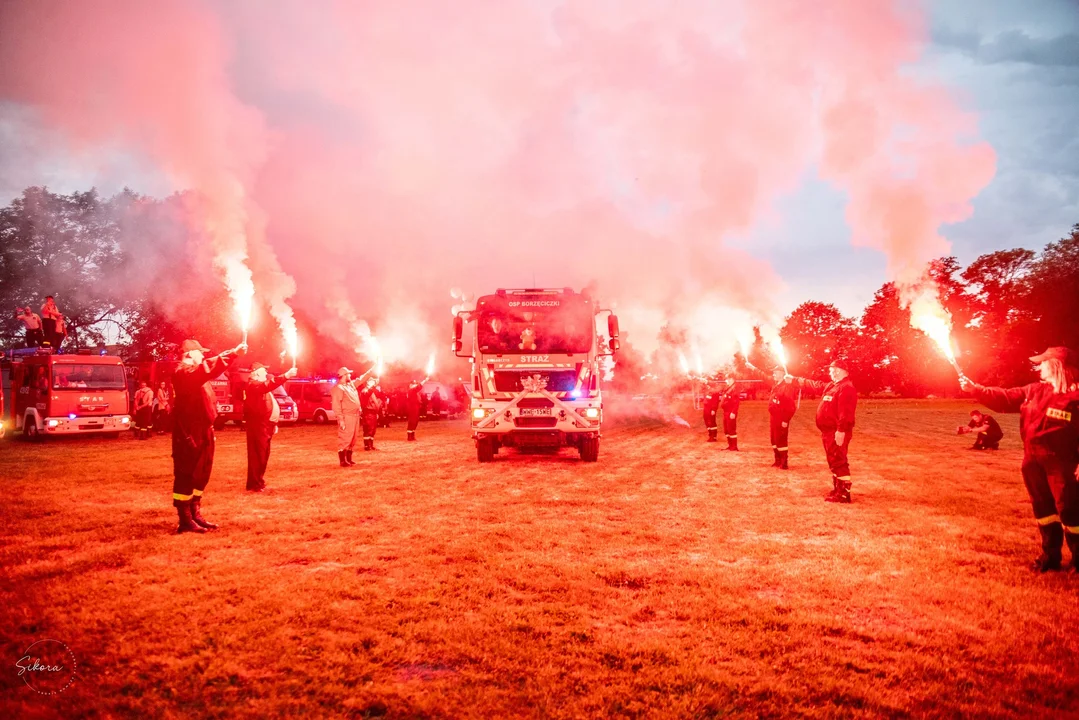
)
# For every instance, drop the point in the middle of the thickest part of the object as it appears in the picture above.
(413, 407)
(729, 402)
(261, 415)
(835, 420)
(370, 407)
(346, 407)
(783, 403)
(195, 410)
(1049, 425)
(711, 411)
(144, 411)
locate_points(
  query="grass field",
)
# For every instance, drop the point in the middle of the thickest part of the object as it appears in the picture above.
(670, 579)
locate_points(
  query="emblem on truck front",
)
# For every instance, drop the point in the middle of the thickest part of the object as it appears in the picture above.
(534, 383)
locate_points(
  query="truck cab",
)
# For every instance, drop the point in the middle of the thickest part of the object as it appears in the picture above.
(68, 395)
(312, 398)
(536, 371)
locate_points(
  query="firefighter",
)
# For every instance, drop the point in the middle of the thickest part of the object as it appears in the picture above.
(261, 415)
(32, 321)
(988, 429)
(195, 410)
(729, 401)
(162, 417)
(783, 403)
(49, 315)
(370, 407)
(710, 407)
(435, 406)
(1049, 425)
(384, 416)
(413, 406)
(346, 408)
(144, 410)
(835, 420)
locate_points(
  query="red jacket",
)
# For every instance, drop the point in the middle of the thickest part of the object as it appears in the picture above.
(731, 399)
(195, 407)
(258, 403)
(370, 402)
(784, 400)
(837, 404)
(1047, 420)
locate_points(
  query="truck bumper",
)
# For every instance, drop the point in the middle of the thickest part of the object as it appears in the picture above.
(82, 425)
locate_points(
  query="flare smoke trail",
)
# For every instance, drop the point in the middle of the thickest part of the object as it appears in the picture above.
(397, 149)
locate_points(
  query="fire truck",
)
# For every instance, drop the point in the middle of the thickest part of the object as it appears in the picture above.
(68, 394)
(536, 357)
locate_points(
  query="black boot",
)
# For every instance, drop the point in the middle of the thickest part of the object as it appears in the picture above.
(411, 435)
(775, 458)
(366, 444)
(841, 493)
(196, 515)
(372, 441)
(782, 460)
(187, 524)
(1052, 541)
(712, 435)
(341, 458)
(831, 497)
(1073, 545)
(348, 457)
(732, 443)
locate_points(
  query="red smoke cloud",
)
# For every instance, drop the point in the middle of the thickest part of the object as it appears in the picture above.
(394, 150)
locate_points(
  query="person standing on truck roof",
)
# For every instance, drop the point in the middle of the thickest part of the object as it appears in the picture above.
(61, 332)
(32, 321)
(835, 420)
(261, 415)
(1049, 425)
(729, 401)
(413, 406)
(144, 411)
(49, 315)
(346, 408)
(194, 413)
(370, 407)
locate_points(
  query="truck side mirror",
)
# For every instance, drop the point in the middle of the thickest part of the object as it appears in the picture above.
(614, 344)
(458, 331)
(612, 326)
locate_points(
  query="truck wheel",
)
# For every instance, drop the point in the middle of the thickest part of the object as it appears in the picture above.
(485, 450)
(219, 425)
(30, 431)
(320, 417)
(589, 449)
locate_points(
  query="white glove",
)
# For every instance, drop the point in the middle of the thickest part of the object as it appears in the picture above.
(732, 416)
(784, 424)
(840, 437)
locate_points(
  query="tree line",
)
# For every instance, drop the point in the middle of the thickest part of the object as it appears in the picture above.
(134, 268)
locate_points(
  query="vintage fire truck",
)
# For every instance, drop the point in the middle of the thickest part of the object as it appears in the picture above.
(536, 356)
(68, 394)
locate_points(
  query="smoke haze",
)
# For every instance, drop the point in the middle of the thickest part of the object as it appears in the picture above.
(360, 159)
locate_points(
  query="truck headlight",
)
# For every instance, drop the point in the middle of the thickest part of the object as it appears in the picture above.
(479, 414)
(125, 420)
(591, 413)
(53, 423)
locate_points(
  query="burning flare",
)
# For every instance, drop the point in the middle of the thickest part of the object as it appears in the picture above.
(683, 362)
(929, 316)
(430, 365)
(293, 341)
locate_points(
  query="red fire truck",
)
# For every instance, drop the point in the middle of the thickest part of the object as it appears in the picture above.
(68, 394)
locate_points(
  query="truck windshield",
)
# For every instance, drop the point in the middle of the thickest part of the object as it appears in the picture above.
(88, 377)
(560, 329)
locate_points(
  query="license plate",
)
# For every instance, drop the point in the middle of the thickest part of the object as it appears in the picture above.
(529, 412)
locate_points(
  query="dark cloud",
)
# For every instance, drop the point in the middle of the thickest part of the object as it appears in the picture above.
(1013, 46)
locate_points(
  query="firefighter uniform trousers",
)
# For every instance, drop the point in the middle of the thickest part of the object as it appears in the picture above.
(730, 429)
(370, 424)
(710, 423)
(193, 461)
(413, 422)
(1054, 496)
(347, 431)
(259, 437)
(837, 455)
(780, 431)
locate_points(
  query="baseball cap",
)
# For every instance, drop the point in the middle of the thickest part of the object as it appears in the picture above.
(342, 371)
(1060, 353)
(257, 366)
(189, 345)
(841, 364)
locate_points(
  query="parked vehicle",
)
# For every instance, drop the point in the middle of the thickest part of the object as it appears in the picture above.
(312, 398)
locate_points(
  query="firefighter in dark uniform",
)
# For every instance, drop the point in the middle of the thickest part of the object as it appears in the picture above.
(1049, 425)
(370, 407)
(987, 428)
(261, 415)
(783, 403)
(413, 407)
(835, 420)
(711, 410)
(729, 401)
(193, 430)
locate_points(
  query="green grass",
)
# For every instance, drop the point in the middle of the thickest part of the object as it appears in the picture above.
(670, 579)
